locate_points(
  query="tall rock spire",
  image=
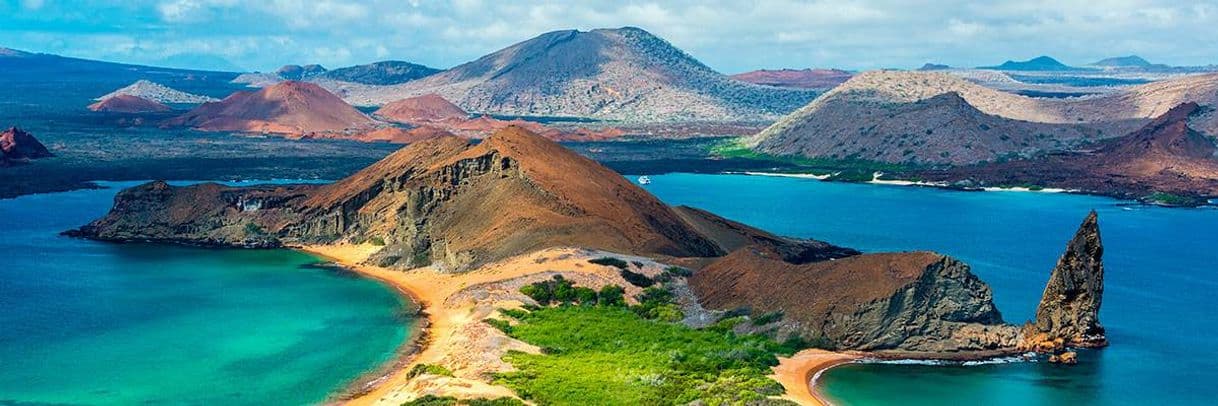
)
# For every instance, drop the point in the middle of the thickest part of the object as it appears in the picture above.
(1068, 315)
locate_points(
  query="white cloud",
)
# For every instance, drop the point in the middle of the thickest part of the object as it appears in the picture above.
(728, 35)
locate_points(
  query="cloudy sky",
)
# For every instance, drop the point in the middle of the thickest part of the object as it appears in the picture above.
(730, 36)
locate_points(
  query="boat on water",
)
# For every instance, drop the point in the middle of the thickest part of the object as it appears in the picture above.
(644, 180)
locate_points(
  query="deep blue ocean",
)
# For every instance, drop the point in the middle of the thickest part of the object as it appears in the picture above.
(1160, 282)
(84, 322)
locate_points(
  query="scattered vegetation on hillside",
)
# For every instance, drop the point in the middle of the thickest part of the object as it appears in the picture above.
(433, 400)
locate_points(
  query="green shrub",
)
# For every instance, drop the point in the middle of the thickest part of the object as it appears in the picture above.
(611, 295)
(376, 240)
(253, 229)
(610, 355)
(500, 324)
(585, 296)
(431, 369)
(767, 318)
(636, 279)
(610, 261)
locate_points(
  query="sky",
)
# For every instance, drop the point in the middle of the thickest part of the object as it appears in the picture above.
(730, 36)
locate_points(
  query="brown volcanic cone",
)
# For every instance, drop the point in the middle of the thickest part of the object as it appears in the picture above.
(1167, 144)
(125, 103)
(422, 109)
(286, 108)
(16, 144)
(445, 200)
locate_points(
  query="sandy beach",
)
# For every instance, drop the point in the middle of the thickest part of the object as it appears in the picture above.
(798, 373)
(455, 305)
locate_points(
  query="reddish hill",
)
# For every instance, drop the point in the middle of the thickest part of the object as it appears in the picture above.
(125, 103)
(285, 108)
(801, 78)
(422, 109)
(18, 145)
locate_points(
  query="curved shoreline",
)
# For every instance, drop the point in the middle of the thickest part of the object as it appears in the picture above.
(414, 344)
(799, 372)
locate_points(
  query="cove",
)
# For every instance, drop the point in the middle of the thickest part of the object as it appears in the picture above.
(87, 322)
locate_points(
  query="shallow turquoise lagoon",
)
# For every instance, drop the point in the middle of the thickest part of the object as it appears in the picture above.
(1160, 306)
(83, 322)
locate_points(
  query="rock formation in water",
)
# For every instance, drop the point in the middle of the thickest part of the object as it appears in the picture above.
(125, 103)
(1068, 315)
(17, 145)
(284, 108)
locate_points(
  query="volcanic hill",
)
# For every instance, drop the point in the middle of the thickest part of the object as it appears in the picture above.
(938, 118)
(802, 78)
(125, 103)
(622, 74)
(149, 90)
(17, 145)
(289, 107)
(1167, 155)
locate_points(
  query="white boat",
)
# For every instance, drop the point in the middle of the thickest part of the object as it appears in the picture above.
(644, 180)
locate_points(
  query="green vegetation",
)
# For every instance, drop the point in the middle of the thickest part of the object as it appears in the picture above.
(636, 279)
(1169, 199)
(433, 400)
(561, 291)
(847, 169)
(376, 240)
(610, 261)
(429, 369)
(253, 229)
(767, 318)
(611, 355)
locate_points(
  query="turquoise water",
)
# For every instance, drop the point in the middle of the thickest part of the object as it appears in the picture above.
(1159, 302)
(83, 322)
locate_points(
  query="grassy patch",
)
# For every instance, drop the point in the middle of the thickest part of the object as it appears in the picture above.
(850, 169)
(612, 355)
(1169, 199)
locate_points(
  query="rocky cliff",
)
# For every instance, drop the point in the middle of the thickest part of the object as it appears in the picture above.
(1068, 315)
(917, 303)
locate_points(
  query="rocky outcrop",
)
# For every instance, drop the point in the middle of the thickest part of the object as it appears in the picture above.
(17, 146)
(919, 304)
(1068, 315)
(125, 103)
(284, 108)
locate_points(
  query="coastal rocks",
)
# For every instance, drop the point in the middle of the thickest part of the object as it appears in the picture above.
(1066, 358)
(18, 146)
(1068, 315)
(917, 303)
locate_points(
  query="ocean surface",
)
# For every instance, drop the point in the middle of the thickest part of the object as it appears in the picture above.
(84, 322)
(1159, 306)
